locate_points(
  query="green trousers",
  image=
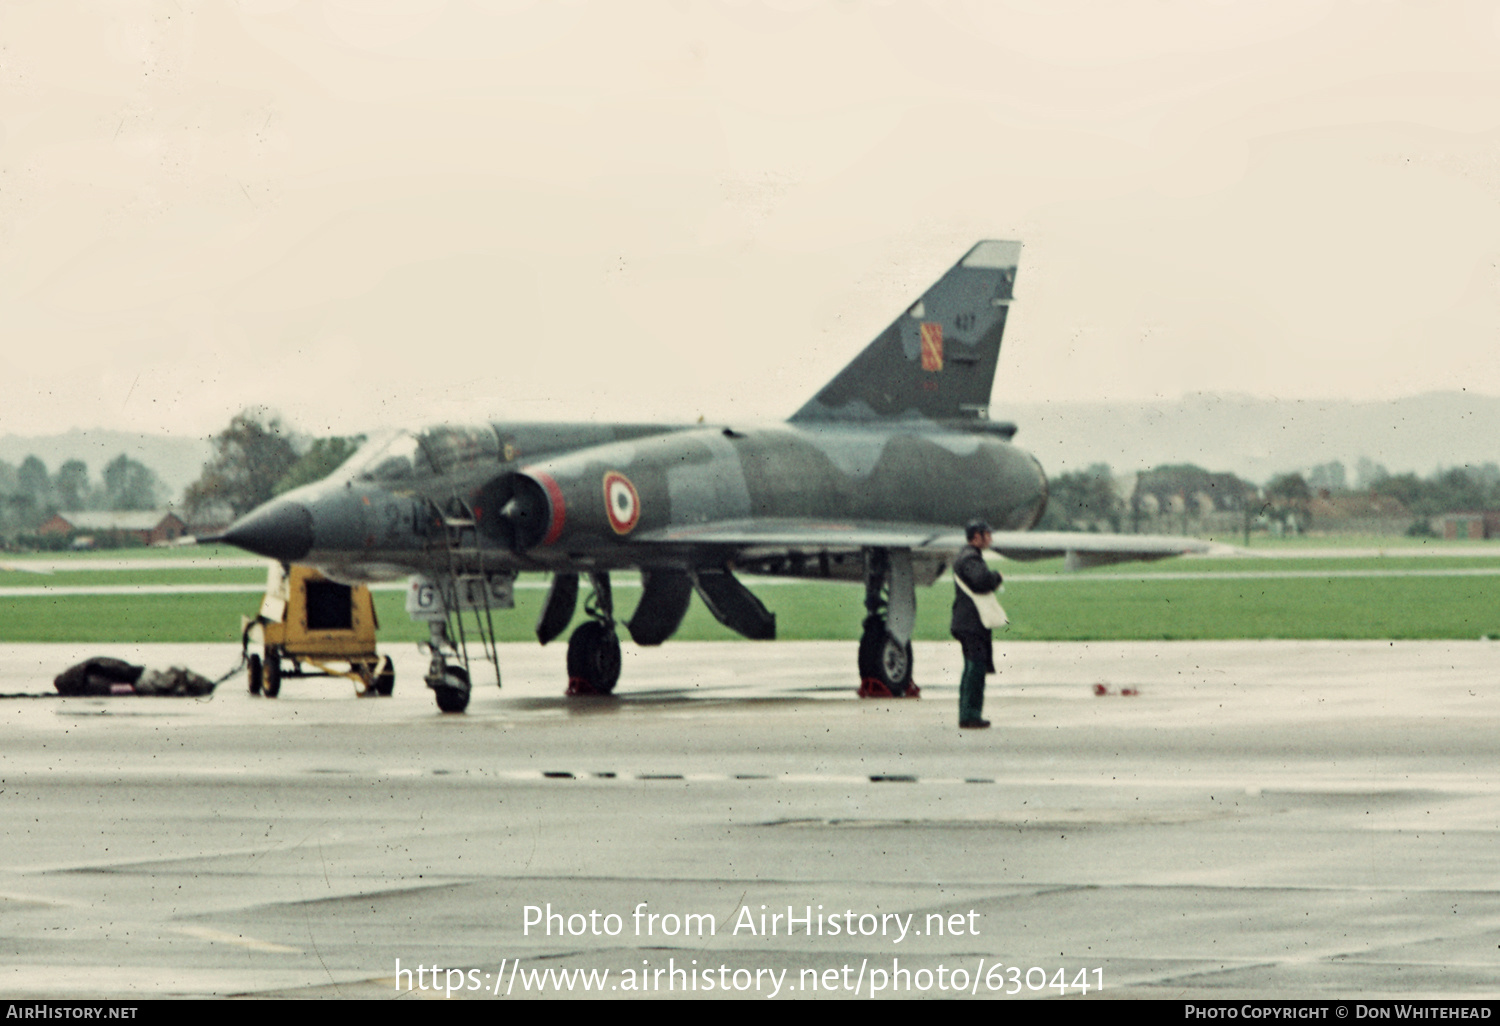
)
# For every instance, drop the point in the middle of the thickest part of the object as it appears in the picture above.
(971, 693)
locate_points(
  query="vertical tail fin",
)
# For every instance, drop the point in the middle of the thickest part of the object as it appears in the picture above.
(937, 361)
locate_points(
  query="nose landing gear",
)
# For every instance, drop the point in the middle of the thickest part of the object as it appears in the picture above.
(449, 681)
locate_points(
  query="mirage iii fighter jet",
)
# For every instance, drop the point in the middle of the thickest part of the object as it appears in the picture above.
(869, 481)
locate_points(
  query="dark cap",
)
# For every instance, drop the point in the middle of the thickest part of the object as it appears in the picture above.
(975, 527)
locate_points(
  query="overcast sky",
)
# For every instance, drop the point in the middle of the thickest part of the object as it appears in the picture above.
(362, 213)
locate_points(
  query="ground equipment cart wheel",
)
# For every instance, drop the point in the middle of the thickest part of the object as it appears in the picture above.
(385, 677)
(271, 686)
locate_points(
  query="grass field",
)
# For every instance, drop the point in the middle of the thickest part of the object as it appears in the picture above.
(1444, 594)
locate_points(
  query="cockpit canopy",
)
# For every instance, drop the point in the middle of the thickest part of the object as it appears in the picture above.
(406, 456)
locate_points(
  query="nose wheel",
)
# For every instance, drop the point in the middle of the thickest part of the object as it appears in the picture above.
(453, 693)
(449, 681)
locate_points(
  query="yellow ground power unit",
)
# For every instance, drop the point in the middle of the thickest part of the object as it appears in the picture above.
(309, 626)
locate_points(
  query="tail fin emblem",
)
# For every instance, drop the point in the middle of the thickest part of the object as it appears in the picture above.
(932, 346)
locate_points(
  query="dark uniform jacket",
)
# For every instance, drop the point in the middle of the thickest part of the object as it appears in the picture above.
(970, 566)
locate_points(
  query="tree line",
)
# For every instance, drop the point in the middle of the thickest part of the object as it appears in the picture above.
(257, 458)
(254, 459)
(1095, 500)
(30, 494)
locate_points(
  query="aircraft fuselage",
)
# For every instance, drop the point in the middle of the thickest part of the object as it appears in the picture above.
(602, 505)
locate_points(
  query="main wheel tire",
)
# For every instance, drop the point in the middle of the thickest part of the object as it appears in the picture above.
(453, 695)
(255, 670)
(271, 685)
(883, 658)
(594, 657)
(385, 678)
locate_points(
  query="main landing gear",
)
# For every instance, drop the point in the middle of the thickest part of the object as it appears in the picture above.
(594, 649)
(885, 656)
(885, 663)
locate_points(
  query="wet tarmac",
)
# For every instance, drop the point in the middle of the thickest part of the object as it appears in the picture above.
(1213, 820)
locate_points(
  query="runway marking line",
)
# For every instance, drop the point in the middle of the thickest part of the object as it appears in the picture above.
(239, 940)
(714, 778)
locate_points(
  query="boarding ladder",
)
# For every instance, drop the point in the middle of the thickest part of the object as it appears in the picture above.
(461, 542)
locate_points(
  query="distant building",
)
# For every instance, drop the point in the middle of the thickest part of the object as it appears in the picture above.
(1359, 513)
(211, 518)
(1192, 489)
(1183, 498)
(1472, 526)
(149, 527)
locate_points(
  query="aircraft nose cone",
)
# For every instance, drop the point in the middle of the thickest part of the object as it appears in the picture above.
(280, 530)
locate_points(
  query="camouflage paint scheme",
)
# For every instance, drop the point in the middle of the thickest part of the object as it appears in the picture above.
(871, 480)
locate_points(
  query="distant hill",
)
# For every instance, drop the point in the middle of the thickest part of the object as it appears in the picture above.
(176, 461)
(1259, 438)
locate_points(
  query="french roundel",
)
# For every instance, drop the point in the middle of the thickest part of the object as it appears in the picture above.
(622, 503)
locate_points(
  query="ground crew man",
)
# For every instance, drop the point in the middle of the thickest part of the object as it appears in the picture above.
(967, 627)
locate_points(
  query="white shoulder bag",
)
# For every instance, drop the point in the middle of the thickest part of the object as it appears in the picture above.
(991, 613)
